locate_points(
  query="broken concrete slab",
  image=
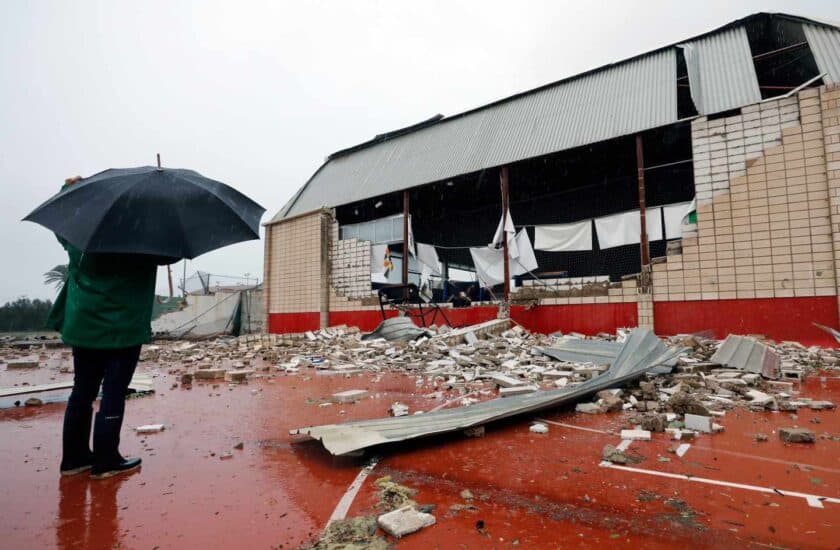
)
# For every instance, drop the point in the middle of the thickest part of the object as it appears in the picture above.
(12, 364)
(239, 375)
(636, 435)
(797, 435)
(589, 408)
(517, 390)
(349, 396)
(698, 423)
(209, 374)
(611, 454)
(507, 381)
(404, 521)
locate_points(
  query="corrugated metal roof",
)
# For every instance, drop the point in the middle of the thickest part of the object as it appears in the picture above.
(620, 100)
(623, 98)
(642, 351)
(721, 72)
(825, 45)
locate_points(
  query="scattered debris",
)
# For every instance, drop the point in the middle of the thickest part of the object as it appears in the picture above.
(33, 402)
(22, 364)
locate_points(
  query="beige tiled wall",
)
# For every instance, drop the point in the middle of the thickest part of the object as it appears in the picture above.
(829, 110)
(763, 227)
(294, 264)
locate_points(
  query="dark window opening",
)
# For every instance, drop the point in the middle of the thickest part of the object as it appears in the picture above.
(578, 184)
(781, 55)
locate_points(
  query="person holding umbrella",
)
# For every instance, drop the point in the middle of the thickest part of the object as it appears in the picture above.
(117, 227)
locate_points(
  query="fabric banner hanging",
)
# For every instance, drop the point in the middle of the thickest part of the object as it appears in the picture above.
(653, 222)
(489, 266)
(564, 237)
(427, 256)
(626, 228)
(489, 261)
(618, 229)
(675, 217)
(526, 260)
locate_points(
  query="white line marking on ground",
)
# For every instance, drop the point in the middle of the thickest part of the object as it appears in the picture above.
(682, 449)
(767, 459)
(624, 444)
(746, 487)
(572, 426)
(347, 498)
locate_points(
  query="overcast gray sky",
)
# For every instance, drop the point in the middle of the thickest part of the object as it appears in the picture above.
(257, 93)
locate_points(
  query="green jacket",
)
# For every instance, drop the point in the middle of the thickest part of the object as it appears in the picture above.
(106, 302)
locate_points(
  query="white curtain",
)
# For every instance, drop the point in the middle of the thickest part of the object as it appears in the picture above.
(564, 237)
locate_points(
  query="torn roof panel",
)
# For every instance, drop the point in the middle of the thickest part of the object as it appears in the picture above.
(748, 354)
(825, 45)
(641, 352)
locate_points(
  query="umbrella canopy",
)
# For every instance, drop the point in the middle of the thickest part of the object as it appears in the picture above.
(162, 211)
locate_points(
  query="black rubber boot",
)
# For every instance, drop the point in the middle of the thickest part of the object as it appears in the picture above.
(123, 466)
(76, 456)
(107, 460)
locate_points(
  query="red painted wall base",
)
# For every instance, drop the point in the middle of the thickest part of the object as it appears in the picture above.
(776, 318)
(585, 318)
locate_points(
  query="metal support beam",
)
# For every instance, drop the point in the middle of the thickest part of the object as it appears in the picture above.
(505, 205)
(640, 166)
(406, 253)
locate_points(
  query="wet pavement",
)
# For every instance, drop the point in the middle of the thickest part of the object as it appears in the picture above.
(528, 490)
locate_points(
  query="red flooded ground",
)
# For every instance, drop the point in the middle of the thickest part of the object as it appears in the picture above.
(530, 490)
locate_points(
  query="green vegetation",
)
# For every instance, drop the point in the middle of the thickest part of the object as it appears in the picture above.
(24, 314)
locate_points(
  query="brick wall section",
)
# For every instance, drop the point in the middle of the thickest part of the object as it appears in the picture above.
(762, 208)
(829, 110)
(294, 264)
(644, 307)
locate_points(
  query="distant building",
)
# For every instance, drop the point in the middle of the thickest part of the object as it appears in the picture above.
(736, 133)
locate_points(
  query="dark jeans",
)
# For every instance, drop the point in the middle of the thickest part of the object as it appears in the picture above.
(113, 369)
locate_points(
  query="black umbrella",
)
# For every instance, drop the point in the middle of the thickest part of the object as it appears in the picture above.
(148, 210)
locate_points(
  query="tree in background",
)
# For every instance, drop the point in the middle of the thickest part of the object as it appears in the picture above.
(24, 314)
(56, 276)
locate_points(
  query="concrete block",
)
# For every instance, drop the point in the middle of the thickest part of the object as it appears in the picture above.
(404, 521)
(349, 396)
(797, 435)
(22, 364)
(238, 375)
(507, 381)
(635, 435)
(518, 390)
(208, 374)
(698, 423)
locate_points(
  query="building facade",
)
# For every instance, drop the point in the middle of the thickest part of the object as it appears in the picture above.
(754, 141)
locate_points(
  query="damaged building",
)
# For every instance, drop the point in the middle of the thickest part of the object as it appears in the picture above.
(690, 188)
